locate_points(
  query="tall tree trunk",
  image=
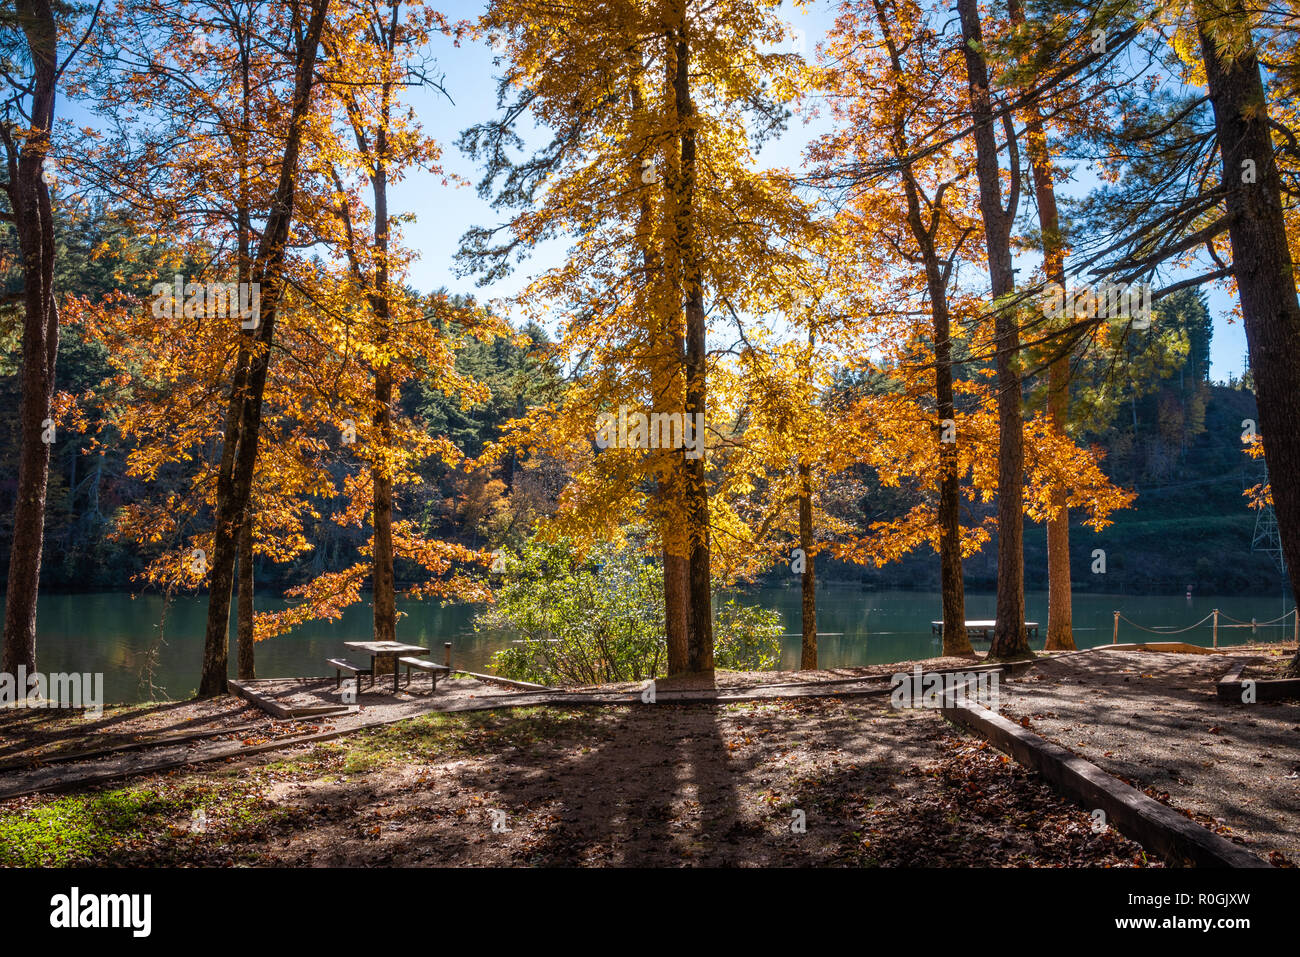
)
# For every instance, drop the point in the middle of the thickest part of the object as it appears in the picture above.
(29, 198)
(384, 34)
(1009, 639)
(244, 612)
(1060, 613)
(677, 588)
(1261, 260)
(244, 415)
(666, 395)
(382, 574)
(246, 665)
(700, 604)
(1060, 598)
(956, 642)
(808, 656)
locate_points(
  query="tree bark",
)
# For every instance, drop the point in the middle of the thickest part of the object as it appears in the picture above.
(956, 642)
(382, 573)
(808, 655)
(677, 586)
(244, 414)
(1060, 598)
(700, 601)
(1060, 613)
(29, 198)
(247, 667)
(1261, 260)
(666, 395)
(1009, 639)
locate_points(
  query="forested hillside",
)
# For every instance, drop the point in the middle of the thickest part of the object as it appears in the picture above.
(1174, 438)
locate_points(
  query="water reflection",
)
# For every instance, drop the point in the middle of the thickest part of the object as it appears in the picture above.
(117, 634)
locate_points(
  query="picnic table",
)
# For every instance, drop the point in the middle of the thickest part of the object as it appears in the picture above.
(982, 630)
(379, 650)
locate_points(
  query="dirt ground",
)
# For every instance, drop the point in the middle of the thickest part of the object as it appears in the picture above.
(1269, 668)
(1155, 721)
(804, 782)
(791, 781)
(32, 735)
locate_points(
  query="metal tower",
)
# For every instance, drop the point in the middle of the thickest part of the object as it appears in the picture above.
(1266, 537)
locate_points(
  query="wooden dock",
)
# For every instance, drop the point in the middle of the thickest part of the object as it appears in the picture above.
(983, 630)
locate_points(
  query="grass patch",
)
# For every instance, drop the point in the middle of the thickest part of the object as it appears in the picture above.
(137, 824)
(72, 829)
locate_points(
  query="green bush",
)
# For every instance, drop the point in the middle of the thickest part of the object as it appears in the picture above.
(600, 618)
(746, 637)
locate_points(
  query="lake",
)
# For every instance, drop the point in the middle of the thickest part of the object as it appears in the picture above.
(114, 633)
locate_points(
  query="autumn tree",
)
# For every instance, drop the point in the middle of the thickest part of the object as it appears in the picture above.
(1224, 186)
(791, 436)
(1061, 72)
(650, 170)
(30, 34)
(244, 413)
(230, 198)
(1009, 638)
(889, 75)
(375, 55)
(1060, 614)
(1261, 254)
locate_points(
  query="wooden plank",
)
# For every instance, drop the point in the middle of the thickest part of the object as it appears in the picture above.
(982, 623)
(422, 665)
(275, 709)
(1174, 647)
(1232, 685)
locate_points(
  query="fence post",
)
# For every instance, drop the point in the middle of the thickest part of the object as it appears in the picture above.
(446, 653)
(1216, 628)
(1114, 636)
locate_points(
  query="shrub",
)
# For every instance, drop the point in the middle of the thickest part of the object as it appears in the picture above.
(746, 637)
(599, 618)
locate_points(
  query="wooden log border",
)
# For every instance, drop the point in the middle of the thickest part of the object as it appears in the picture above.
(1158, 828)
(1231, 685)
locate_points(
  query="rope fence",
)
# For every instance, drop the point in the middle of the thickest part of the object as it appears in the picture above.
(1214, 615)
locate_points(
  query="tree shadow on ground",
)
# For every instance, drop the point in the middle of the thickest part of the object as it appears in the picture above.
(1155, 720)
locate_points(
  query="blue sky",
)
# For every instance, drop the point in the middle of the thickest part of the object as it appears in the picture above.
(443, 214)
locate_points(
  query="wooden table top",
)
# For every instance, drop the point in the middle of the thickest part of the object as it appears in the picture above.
(385, 648)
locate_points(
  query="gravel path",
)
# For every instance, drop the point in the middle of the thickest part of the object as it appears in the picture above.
(1155, 721)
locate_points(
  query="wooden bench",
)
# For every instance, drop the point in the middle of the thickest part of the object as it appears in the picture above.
(434, 669)
(342, 664)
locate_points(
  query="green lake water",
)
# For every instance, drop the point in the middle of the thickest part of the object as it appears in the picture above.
(115, 634)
